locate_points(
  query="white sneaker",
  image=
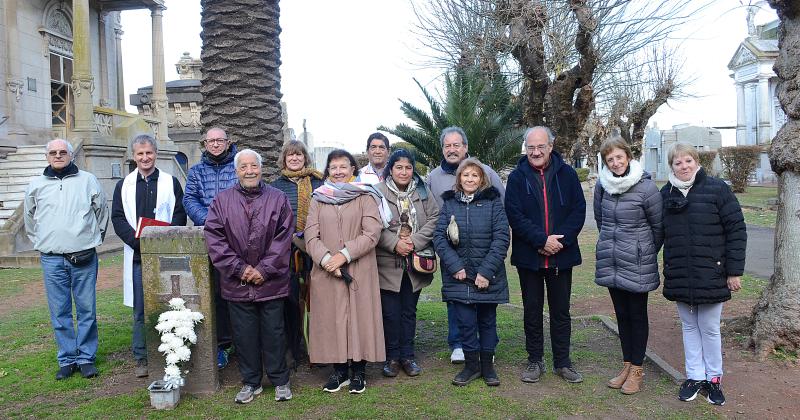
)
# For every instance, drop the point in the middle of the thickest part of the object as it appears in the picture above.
(457, 357)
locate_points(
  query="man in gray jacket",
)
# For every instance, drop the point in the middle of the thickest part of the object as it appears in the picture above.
(66, 215)
(441, 179)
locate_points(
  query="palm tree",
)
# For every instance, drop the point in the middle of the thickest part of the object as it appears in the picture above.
(484, 108)
(241, 84)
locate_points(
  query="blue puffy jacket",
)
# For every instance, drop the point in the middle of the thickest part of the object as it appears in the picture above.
(204, 182)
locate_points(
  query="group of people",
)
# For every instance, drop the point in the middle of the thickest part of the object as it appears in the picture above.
(307, 263)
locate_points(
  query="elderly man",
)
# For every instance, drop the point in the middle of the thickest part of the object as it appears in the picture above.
(249, 232)
(213, 174)
(145, 192)
(546, 210)
(66, 215)
(454, 150)
(378, 154)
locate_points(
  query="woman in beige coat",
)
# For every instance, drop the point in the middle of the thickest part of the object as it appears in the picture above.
(342, 230)
(414, 216)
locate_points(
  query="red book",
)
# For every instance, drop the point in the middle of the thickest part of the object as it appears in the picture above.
(146, 221)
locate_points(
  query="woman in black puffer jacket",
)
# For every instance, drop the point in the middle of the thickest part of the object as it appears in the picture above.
(628, 211)
(704, 253)
(471, 239)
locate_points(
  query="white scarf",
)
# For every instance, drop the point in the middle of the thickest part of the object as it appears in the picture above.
(619, 184)
(683, 186)
(165, 204)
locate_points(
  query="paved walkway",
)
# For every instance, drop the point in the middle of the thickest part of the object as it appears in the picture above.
(760, 259)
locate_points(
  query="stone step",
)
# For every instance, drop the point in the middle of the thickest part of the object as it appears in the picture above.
(5, 213)
(12, 187)
(6, 179)
(10, 204)
(16, 195)
(27, 157)
(21, 172)
(23, 164)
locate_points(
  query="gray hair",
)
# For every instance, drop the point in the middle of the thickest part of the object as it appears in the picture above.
(66, 143)
(243, 152)
(550, 137)
(450, 130)
(145, 139)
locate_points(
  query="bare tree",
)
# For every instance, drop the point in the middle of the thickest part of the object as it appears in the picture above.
(776, 323)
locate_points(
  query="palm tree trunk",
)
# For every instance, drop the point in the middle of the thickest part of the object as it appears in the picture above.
(241, 78)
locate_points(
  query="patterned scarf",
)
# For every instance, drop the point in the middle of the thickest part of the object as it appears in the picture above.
(339, 193)
(303, 180)
(405, 207)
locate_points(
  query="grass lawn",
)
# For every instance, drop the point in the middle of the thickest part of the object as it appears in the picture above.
(27, 366)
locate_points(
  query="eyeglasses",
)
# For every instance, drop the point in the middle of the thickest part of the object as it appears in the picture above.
(216, 141)
(541, 148)
(54, 153)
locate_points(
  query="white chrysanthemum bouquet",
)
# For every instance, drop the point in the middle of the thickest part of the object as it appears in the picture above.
(176, 327)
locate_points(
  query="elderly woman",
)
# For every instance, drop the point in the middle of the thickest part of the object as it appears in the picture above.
(704, 253)
(628, 212)
(297, 180)
(343, 228)
(471, 239)
(414, 216)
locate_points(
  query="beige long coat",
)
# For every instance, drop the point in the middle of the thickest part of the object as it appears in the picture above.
(390, 266)
(346, 322)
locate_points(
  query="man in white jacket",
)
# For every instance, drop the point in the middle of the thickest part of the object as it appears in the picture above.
(66, 215)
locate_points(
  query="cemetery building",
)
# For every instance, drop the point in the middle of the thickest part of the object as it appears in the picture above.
(657, 143)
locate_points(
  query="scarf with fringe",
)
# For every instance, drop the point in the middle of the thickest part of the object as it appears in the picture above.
(303, 180)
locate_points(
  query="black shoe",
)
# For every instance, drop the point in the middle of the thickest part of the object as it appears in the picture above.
(336, 381)
(487, 369)
(358, 383)
(410, 367)
(391, 368)
(65, 372)
(689, 389)
(471, 371)
(714, 390)
(88, 370)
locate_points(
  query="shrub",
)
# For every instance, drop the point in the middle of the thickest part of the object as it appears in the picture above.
(583, 174)
(361, 160)
(707, 160)
(739, 162)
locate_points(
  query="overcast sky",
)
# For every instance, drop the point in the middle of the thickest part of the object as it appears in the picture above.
(346, 63)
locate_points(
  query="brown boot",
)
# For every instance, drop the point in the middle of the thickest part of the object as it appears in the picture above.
(617, 381)
(633, 384)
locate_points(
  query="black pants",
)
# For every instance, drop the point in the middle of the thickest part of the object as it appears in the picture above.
(559, 286)
(477, 326)
(294, 322)
(400, 320)
(224, 339)
(631, 309)
(260, 339)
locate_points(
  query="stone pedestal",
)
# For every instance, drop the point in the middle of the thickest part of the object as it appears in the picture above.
(175, 264)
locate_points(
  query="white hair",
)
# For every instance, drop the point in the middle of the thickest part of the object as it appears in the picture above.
(550, 137)
(66, 143)
(240, 153)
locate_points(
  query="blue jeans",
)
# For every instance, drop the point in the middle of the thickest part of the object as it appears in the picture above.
(137, 343)
(63, 283)
(478, 325)
(453, 335)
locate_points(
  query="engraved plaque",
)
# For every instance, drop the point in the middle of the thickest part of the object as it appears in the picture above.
(174, 264)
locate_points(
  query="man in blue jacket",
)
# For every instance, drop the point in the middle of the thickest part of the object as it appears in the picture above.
(546, 210)
(214, 173)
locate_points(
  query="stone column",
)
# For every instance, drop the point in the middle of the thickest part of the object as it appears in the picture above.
(101, 29)
(764, 111)
(120, 81)
(741, 115)
(14, 84)
(175, 264)
(82, 79)
(159, 98)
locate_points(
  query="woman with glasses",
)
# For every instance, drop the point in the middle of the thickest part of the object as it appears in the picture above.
(704, 253)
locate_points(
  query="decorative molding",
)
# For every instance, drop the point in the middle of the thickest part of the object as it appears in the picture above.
(15, 86)
(182, 119)
(104, 123)
(58, 22)
(154, 126)
(81, 83)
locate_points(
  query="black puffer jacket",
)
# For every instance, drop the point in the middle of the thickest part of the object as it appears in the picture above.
(704, 241)
(482, 248)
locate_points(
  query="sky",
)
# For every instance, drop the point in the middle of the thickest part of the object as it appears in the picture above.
(345, 64)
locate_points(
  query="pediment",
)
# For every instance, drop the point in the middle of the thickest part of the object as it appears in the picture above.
(742, 57)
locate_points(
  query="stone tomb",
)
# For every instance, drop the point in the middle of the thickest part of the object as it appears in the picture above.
(175, 264)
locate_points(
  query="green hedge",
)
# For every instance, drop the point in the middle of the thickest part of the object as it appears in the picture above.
(583, 174)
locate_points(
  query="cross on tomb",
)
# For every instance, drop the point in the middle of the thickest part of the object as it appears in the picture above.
(175, 280)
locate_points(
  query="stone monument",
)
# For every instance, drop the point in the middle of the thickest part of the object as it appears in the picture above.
(175, 264)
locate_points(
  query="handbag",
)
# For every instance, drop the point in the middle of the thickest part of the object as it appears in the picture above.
(424, 261)
(81, 257)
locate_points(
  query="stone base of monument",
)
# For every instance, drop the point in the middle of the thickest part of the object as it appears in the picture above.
(163, 398)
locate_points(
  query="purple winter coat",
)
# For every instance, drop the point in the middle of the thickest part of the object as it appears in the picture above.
(250, 228)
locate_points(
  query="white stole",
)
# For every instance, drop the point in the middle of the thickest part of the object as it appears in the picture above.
(165, 204)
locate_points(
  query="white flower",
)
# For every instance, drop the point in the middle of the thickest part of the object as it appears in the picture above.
(177, 303)
(173, 371)
(183, 353)
(176, 327)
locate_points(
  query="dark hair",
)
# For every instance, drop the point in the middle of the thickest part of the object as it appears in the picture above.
(377, 135)
(394, 157)
(340, 153)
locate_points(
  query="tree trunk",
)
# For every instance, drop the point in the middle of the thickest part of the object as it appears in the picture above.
(776, 317)
(241, 78)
